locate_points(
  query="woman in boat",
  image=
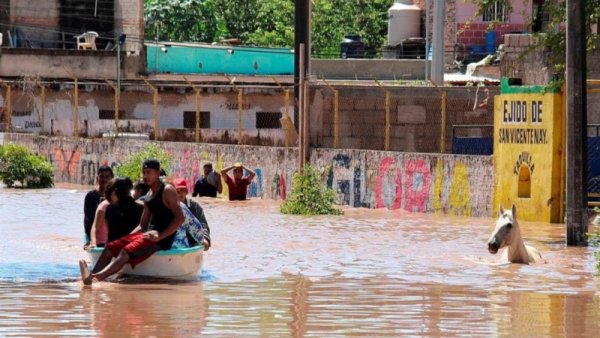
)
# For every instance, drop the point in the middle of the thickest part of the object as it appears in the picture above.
(123, 214)
(194, 230)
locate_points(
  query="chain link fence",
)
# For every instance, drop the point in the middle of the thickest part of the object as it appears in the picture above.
(593, 141)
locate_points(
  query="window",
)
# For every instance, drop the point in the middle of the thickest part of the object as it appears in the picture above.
(267, 120)
(496, 11)
(110, 114)
(189, 119)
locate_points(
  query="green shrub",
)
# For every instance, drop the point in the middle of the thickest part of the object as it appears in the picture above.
(18, 167)
(310, 196)
(132, 166)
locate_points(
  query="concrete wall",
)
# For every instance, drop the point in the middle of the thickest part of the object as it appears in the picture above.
(449, 184)
(137, 113)
(531, 67)
(415, 116)
(381, 69)
(39, 21)
(457, 185)
(59, 63)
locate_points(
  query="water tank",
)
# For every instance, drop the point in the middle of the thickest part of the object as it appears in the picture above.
(404, 21)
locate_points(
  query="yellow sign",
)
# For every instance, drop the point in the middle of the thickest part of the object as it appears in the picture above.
(527, 158)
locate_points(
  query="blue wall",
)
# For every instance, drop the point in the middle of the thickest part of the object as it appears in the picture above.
(208, 59)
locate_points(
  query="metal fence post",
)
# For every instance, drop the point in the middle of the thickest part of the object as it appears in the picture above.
(76, 109)
(8, 108)
(387, 120)
(155, 108)
(117, 100)
(43, 112)
(336, 118)
(240, 98)
(443, 124)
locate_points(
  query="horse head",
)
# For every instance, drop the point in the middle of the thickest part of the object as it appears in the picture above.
(505, 231)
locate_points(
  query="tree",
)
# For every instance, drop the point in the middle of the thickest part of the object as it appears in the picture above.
(268, 22)
(132, 166)
(182, 20)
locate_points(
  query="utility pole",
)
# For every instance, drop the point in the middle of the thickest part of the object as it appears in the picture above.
(437, 66)
(427, 44)
(301, 36)
(576, 213)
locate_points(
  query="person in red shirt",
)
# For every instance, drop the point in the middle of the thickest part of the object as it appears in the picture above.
(238, 185)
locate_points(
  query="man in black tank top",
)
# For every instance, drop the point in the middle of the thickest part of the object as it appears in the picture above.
(162, 206)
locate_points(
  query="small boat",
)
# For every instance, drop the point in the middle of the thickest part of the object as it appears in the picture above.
(181, 264)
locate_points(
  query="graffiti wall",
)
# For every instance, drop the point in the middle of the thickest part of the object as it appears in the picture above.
(449, 184)
(77, 160)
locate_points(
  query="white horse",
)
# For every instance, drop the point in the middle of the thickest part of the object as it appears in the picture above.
(508, 234)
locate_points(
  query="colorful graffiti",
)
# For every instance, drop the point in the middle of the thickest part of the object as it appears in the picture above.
(448, 184)
(415, 183)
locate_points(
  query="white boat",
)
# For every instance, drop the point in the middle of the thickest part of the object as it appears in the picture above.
(182, 264)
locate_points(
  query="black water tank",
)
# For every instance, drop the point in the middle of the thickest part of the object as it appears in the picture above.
(352, 47)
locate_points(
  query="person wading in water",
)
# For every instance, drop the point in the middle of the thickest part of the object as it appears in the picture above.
(161, 217)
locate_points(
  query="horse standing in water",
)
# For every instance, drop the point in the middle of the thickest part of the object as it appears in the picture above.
(508, 234)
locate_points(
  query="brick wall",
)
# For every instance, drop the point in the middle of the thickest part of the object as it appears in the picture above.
(38, 20)
(474, 33)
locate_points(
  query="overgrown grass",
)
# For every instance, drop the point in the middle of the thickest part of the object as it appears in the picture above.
(310, 196)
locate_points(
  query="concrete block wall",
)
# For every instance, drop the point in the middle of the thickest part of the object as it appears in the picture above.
(432, 183)
(415, 116)
(518, 61)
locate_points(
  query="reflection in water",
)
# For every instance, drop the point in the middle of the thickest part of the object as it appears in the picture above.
(370, 272)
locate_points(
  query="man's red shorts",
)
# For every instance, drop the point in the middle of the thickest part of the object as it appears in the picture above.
(135, 245)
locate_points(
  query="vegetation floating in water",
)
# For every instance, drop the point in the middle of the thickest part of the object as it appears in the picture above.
(132, 166)
(310, 196)
(20, 168)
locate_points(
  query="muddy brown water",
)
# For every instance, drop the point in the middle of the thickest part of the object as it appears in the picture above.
(369, 272)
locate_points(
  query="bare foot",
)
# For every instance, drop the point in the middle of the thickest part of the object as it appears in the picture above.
(86, 276)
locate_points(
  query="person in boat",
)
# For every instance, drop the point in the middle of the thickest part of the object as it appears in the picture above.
(92, 200)
(191, 231)
(140, 190)
(238, 185)
(161, 217)
(99, 232)
(209, 184)
(123, 214)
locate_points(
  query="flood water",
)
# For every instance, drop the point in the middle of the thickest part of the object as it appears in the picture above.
(369, 272)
